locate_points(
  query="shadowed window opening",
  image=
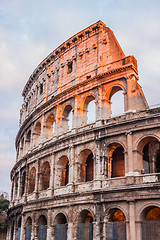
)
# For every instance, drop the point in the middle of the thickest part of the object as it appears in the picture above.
(50, 126)
(118, 164)
(67, 173)
(151, 224)
(45, 176)
(28, 229)
(89, 168)
(41, 88)
(116, 226)
(60, 227)
(42, 228)
(85, 226)
(32, 179)
(70, 67)
(23, 181)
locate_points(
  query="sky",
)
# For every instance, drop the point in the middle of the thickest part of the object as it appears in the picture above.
(31, 29)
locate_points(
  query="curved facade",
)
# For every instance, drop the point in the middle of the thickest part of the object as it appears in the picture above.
(81, 173)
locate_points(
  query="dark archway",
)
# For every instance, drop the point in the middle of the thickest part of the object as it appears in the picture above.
(85, 226)
(60, 227)
(45, 176)
(28, 229)
(151, 223)
(32, 179)
(116, 226)
(118, 164)
(42, 228)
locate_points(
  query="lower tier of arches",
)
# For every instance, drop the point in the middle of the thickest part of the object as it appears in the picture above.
(108, 216)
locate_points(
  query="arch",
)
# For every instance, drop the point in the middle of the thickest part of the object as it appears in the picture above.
(28, 229)
(50, 126)
(148, 148)
(16, 185)
(32, 179)
(151, 223)
(28, 221)
(60, 218)
(115, 160)
(23, 181)
(45, 175)
(19, 228)
(37, 132)
(42, 228)
(112, 94)
(22, 147)
(63, 171)
(116, 224)
(67, 118)
(60, 227)
(28, 140)
(85, 225)
(88, 109)
(86, 162)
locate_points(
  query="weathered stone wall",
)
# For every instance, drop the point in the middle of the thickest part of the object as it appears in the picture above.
(71, 171)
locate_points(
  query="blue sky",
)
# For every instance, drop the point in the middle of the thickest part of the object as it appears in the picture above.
(31, 29)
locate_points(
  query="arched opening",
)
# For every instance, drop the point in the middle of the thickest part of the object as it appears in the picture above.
(115, 163)
(116, 225)
(88, 110)
(19, 230)
(60, 227)
(117, 104)
(50, 126)
(86, 172)
(67, 118)
(16, 185)
(12, 230)
(32, 179)
(91, 114)
(42, 228)
(28, 140)
(37, 133)
(115, 101)
(22, 146)
(45, 176)
(118, 165)
(23, 181)
(151, 223)
(89, 167)
(85, 226)
(63, 171)
(28, 230)
(149, 148)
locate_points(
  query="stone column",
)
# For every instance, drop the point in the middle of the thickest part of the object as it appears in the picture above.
(52, 174)
(96, 231)
(49, 224)
(129, 169)
(97, 162)
(105, 229)
(71, 164)
(26, 183)
(37, 180)
(132, 229)
(70, 231)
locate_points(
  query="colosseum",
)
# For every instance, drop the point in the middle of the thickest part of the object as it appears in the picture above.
(80, 172)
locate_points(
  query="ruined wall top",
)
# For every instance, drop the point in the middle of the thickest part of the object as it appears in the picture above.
(97, 36)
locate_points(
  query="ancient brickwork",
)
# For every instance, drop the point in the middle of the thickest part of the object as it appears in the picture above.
(81, 179)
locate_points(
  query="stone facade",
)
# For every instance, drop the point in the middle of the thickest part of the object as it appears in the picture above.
(74, 179)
